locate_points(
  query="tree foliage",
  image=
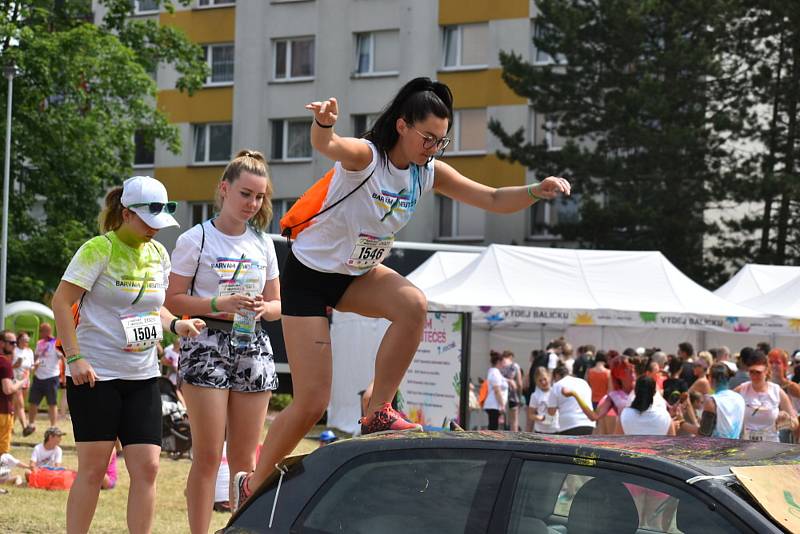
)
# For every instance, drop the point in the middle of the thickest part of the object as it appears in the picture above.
(82, 93)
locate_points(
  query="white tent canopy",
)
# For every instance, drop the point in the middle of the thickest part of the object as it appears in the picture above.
(754, 280)
(783, 301)
(27, 306)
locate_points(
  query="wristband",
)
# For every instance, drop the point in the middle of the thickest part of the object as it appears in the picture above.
(74, 358)
(172, 326)
(214, 305)
(323, 125)
(531, 193)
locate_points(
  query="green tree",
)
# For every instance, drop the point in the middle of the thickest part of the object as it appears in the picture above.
(636, 92)
(84, 90)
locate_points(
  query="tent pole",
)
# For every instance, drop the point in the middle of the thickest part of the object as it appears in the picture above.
(466, 354)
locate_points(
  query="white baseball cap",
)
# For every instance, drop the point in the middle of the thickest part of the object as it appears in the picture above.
(147, 197)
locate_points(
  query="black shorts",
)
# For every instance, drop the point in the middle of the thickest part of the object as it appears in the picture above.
(126, 409)
(47, 388)
(306, 292)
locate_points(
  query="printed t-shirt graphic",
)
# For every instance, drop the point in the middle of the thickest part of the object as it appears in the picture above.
(358, 234)
(120, 321)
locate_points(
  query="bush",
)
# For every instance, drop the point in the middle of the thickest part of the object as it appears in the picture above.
(279, 401)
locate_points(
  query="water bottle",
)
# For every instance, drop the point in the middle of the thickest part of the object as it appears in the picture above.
(243, 330)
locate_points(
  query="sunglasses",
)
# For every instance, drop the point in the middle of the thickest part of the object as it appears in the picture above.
(157, 207)
(757, 371)
(10, 342)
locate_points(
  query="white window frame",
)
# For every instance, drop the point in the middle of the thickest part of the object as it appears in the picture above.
(289, 78)
(454, 221)
(285, 142)
(549, 135)
(212, 4)
(370, 72)
(279, 208)
(459, 47)
(370, 121)
(138, 11)
(206, 160)
(143, 165)
(455, 149)
(546, 234)
(207, 209)
(535, 52)
(209, 55)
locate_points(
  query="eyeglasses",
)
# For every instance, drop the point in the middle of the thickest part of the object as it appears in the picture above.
(157, 207)
(431, 142)
(10, 342)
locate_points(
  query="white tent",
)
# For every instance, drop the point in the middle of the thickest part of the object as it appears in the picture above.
(754, 280)
(783, 301)
(28, 306)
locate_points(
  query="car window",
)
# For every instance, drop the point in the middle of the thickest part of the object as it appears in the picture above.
(554, 498)
(444, 491)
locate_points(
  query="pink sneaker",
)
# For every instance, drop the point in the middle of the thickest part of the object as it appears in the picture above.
(386, 418)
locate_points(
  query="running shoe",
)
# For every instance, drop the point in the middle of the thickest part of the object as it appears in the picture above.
(28, 430)
(386, 418)
(241, 489)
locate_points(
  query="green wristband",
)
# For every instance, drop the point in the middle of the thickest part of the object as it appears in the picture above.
(214, 305)
(74, 358)
(531, 194)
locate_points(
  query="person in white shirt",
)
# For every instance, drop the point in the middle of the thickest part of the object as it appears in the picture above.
(7, 463)
(496, 399)
(539, 419)
(171, 359)
(45, 380)
(335, 261)
(644, 417)
(572, 420)
(48, 453)
(23, 363)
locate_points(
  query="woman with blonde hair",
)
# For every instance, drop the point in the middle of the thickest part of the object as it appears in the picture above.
(116, 282)
(220, 267)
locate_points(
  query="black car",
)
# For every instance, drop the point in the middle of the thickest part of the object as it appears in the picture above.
(479, 482)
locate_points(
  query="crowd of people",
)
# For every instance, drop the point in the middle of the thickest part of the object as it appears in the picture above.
(752, 395)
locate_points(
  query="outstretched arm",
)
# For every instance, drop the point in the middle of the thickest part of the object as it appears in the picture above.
(353, 154)
(455, 185)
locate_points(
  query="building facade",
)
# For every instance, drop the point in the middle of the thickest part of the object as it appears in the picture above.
(268, 58)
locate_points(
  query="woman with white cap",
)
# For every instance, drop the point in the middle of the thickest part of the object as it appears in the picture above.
(117, 281)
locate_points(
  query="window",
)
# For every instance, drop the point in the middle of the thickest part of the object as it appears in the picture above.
(294, 59)
(377, 52)
(362, 123)
(430, 491)
(468, 131)
(466, 45)
(459, 221)
(220, 59)
(145, 7)
(291, 139)
(211, 3)
(540, 57)
(212, 143)
(201, 211)
(544, 217)
(544, 131)
(605, 501)
(144, 150)
(279, 208)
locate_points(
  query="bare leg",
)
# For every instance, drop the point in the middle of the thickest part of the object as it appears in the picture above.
(246, 415)
(308, 348)
(405, 306)
(19, 409)
(32, 409)
(52, 413)
(141, 460)
(82, 501)
(207, 409)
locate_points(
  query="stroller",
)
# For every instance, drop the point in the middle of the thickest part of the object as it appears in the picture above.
(176, 436)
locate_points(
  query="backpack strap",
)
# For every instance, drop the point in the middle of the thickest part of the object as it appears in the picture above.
(287, 232)
(199, 256)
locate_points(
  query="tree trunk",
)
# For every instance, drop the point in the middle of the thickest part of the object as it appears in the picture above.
(787, 184)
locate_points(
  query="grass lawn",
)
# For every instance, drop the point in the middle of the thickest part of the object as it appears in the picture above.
(26, 510)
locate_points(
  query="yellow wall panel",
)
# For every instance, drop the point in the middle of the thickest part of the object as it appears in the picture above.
(465, 11)
(190, 183)
(480, 88)
(214, 104)
(204, 25)
(489, 170)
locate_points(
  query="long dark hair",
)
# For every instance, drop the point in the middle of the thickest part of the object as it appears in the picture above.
(414, 102)
(645, 390)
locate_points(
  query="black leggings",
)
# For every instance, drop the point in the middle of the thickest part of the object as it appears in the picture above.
(494, 419)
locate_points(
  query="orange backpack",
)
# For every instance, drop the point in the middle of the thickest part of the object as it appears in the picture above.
(483, 392)
(307, 207)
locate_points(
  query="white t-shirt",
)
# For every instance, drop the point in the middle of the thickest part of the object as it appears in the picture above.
(357, 234)
(6, 463)
(223, 257)
(495, 379)
(570, 414)
(761, 412)
(654, 421)
(46, 458)
(539, 401)
(122, 283)
(730, 414)
(47, 356)
(552, 360)
(26, 357)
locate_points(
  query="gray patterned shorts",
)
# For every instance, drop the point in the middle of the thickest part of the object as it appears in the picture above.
(209, 360)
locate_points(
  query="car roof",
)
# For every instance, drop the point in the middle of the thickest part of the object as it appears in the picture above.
(701, 454)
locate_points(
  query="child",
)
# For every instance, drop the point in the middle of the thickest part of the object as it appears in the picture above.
(7, 462)
(538, 417)
(48, 454)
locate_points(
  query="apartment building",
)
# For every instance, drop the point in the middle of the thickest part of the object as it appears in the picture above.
(268, 58)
